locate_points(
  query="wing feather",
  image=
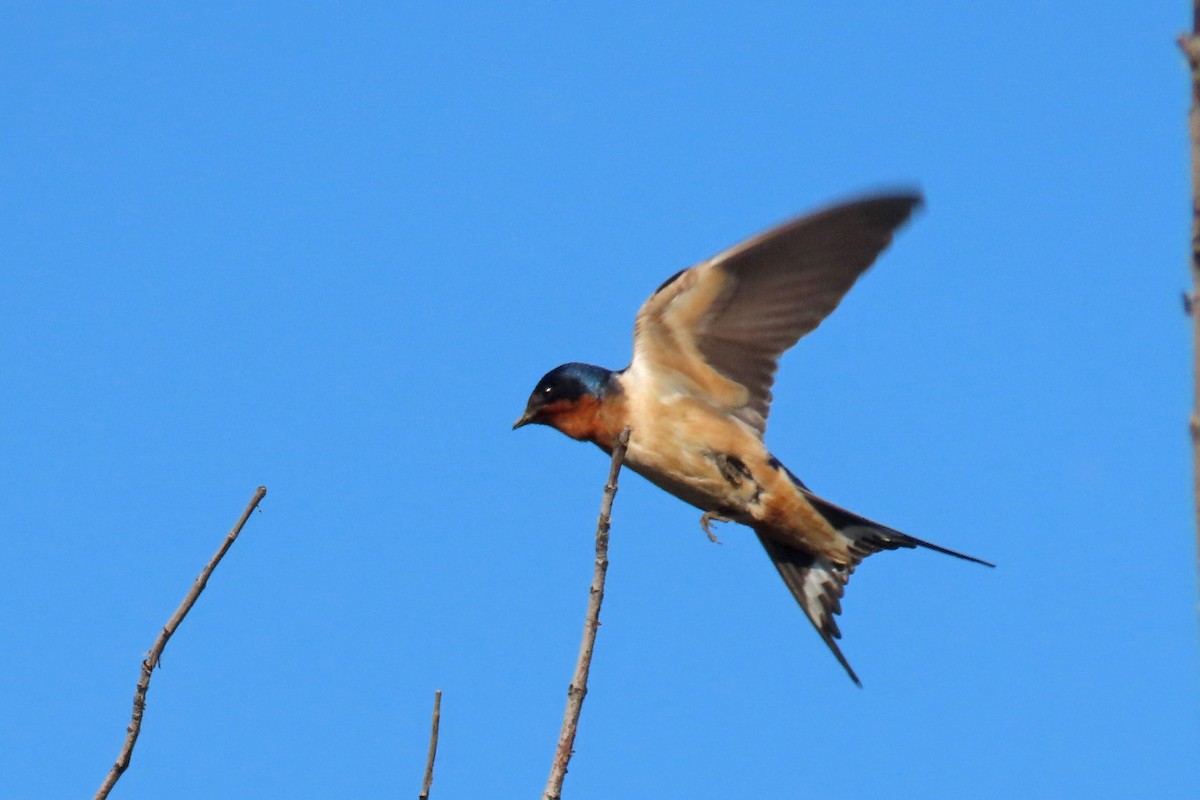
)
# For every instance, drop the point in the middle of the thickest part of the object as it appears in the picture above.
(718, 328)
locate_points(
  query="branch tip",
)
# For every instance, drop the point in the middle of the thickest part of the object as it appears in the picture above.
(577, 688)
(154, 656)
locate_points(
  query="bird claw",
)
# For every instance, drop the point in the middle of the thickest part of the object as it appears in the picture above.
(706, 521)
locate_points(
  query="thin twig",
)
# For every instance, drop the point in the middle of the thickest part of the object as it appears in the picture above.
(152, 658)
(1190, 44)
(433, 737)
(578, 688)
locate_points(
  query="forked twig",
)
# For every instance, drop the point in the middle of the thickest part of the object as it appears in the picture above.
(578, 688)
(433, 739)
(152, 658)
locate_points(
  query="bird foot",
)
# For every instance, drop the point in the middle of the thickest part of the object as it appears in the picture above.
(706, 521)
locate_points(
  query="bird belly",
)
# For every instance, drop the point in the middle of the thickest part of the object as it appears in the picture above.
(697, 490)
(716, 464)
(703, 458)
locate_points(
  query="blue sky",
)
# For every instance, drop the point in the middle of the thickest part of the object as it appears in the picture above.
(330, 249)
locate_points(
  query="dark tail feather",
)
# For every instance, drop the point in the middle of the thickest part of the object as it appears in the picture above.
(867, 537)
(818, 583)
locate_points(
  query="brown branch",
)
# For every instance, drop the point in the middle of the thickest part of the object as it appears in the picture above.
(578, 688)
(1190, 44)
(433, 737)
(152, 658)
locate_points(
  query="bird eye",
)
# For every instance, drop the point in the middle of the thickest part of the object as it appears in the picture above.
(547, 390)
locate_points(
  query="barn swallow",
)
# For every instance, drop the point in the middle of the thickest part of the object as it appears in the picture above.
(698, 391)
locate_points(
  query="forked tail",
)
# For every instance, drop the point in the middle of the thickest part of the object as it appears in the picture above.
(818, 583)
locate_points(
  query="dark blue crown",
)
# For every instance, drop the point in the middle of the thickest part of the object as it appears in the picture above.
(571, 381)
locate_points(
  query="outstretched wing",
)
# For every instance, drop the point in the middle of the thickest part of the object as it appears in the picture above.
(717, 329)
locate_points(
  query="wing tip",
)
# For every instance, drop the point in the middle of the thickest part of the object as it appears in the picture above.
(893, 206)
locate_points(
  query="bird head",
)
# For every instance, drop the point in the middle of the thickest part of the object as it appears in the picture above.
(565, 394)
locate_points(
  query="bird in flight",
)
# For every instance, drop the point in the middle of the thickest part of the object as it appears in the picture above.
(697, 394)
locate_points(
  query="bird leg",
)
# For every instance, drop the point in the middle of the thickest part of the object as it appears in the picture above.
(732, 469)
(706, 521)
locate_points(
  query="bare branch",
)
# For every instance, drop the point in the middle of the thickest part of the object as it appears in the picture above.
(578, 688)
(152, 658)
(433, 737)
(1190, 44)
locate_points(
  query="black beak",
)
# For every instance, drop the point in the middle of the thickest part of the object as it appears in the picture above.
(524, 419)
